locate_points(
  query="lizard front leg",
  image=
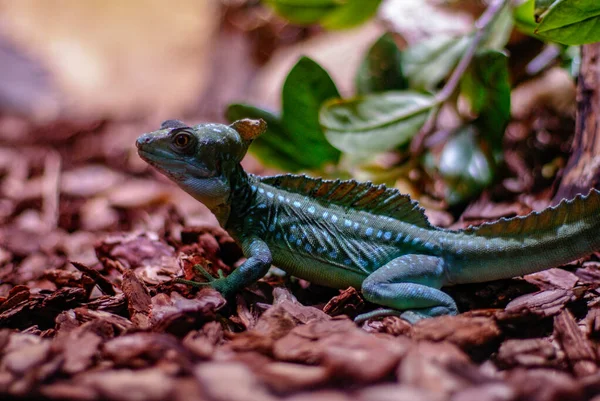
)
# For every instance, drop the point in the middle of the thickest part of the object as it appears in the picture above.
(411, 284)
(255, 267)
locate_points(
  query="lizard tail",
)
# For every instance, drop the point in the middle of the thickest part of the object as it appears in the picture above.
(583, 210)
(526, 244)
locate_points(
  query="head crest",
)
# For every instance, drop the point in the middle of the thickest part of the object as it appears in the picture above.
(172, 124)
(249, 129)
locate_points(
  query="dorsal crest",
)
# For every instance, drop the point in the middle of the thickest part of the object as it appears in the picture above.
(363, 196)
(566, 212)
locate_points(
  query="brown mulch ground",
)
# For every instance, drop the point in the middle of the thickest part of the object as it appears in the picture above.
(90, 244)
(123, 330)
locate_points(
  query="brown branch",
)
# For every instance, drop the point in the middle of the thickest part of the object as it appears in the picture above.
(583, 168)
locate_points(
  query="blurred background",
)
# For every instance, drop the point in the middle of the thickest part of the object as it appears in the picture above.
(80, 80)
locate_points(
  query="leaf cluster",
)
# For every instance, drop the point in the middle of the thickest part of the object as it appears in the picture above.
(331, 14)
(399, 93)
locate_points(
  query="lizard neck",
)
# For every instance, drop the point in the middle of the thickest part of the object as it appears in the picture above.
(225, 195)
(240, 197)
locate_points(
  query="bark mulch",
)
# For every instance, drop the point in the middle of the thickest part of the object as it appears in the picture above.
(90, 245)
(122, 329)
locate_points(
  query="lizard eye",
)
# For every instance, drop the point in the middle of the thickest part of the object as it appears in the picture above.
(182, 140)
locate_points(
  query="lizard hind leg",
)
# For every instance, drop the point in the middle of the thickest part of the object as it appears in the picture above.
(411, 284)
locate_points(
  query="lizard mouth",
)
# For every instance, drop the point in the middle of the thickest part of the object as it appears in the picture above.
(173, 167)
(149, 158)
(155, 160)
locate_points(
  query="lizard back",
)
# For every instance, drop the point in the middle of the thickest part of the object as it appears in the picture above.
(314, 226)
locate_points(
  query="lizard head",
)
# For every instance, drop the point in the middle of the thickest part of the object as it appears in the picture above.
(202, 158)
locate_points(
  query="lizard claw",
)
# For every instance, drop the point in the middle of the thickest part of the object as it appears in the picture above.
(363, 317)
(192, 283)
(221, 285)
(201, 270)
(411, 316)
(198, 268)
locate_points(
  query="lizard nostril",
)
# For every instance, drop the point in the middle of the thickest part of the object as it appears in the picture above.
(141, 141)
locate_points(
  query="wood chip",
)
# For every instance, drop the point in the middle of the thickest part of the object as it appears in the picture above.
(79, 347)
(428, 366)
(139, 302)
(130, 385)
(545, 303)
(553, 278)
(105, 285)
(472, 334)
(349, 303)
(531, 353)
(544, 384)
(579, 351)
(283, 377)
(216, 381)
(391, 392)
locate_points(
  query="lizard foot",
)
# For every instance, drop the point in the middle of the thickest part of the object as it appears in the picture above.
(198, 268)
(192, 283)
(363, 317)
(202, 271)
(220, 284)
(411, 316)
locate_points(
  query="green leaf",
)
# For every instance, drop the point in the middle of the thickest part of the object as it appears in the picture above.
(486, 87)
(332, 14)
(523, 17)
(274, 148)
(428, 62)
(465, 166)
(572, 22)
(353, 13)
(304, 12)
(376, 122)
(570, 60)
(306, 88)
(296, 141)
(498, 33)
(381, 69)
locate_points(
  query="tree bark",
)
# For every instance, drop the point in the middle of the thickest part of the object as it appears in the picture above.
(583, 169)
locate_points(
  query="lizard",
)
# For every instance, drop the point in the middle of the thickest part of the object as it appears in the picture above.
(342, 233)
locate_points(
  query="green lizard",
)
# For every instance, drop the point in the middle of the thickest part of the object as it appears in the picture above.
(346, 233)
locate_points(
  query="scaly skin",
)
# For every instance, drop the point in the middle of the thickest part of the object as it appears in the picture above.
(341, 234)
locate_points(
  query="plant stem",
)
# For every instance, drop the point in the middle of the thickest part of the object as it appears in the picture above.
(481, 25)
(481, 29)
